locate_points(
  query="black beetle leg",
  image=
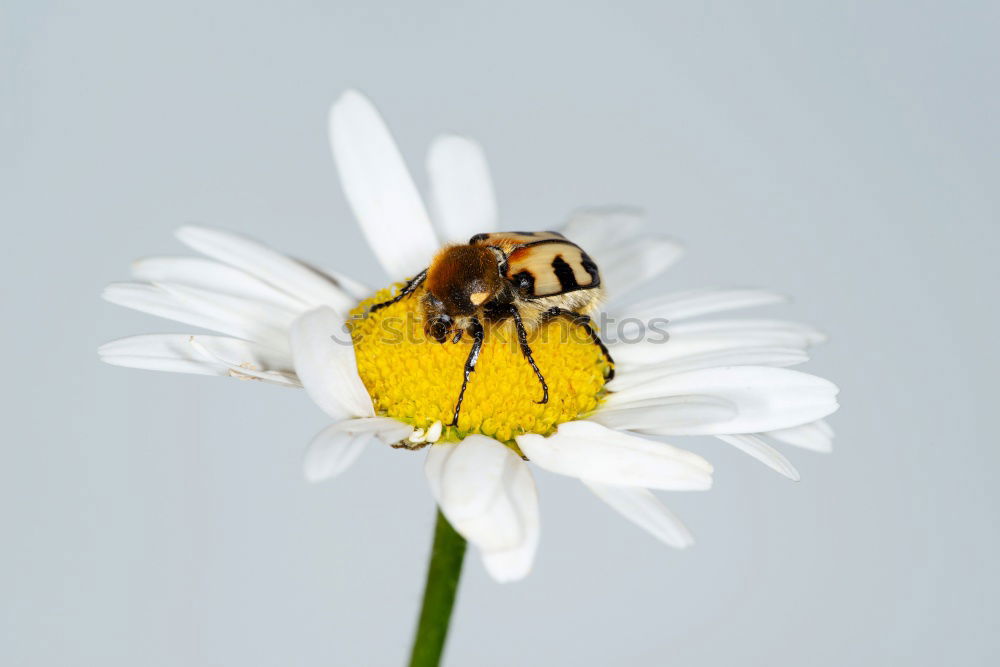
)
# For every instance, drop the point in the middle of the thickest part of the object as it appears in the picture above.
(587, 323)
(522, 337)
(477, 333)
(408, 289)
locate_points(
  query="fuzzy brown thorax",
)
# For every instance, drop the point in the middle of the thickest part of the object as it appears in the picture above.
(462, 278)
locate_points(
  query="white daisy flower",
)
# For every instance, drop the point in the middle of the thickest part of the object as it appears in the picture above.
(283, 322)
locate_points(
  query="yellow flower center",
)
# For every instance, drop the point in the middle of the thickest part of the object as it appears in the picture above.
(417, 380)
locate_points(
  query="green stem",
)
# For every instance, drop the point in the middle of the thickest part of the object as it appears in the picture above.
(443, 574)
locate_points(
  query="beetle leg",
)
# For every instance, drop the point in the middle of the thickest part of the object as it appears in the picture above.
(586, 323)
(470, 364)
(408, 289)
(522, 337)
(406, 444)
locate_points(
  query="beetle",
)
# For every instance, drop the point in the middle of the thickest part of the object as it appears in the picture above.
(525, 277)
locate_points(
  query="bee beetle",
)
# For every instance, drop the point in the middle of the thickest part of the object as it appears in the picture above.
(525, 277)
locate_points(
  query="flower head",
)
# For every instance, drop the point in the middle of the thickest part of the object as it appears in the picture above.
(416, 380)
(283, 322)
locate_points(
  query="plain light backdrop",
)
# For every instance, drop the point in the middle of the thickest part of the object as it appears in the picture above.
(844, 153)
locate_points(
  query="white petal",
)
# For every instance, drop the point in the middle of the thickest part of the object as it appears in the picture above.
(646, 511)
(817, 436)
(237, 357)
(603, 227)
(350, 286)
(338, 445)
(259, 321)
(153, 300)
(331, 452)
(763, 452)
(824, 427)
(213, 276)
(513, 564)
(184, 353)
(685, 305)
(461, 188)
(675, 412)
(587, 450)
(379, 188)
(172, 353)
(284, 273)
(325, 363)
(779, 357)
(634, 263)
(235, 316)
(686, 339)
(766, 398)
(434, 431)
(485, 491)
(775, 330)
(384, 429)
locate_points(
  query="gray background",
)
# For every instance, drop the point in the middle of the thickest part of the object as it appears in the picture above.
(843, 152)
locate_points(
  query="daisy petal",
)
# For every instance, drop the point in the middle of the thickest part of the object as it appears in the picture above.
(253, 257)
(261, 320)
(685, 305)
(234, 316)
(172, 353)
(600, 227)
(337, 446)
(332, 452)
(325, 363)
(461, 188)
(777, 330)
(184, 353)
(379, 188)
(214, 277)
(353, 288)
(233, 354)
(676, 412)
(513, 564)
(153, 300)
(587, 450)
(634, 263)
(817, 436)
(763, 452)
(486, 492)
(385, 429)
(766, 398)
(746, 356)
(694, 338)
(646, 511)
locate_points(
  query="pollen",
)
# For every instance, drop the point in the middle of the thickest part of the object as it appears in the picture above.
(417, 380)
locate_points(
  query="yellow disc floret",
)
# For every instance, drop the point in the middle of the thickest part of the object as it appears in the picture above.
(417, 380)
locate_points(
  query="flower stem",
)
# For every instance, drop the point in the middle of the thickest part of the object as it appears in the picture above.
(443, 573)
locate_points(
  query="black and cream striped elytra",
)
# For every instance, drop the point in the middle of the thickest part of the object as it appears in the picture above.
(542, 264)
(527, 278)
